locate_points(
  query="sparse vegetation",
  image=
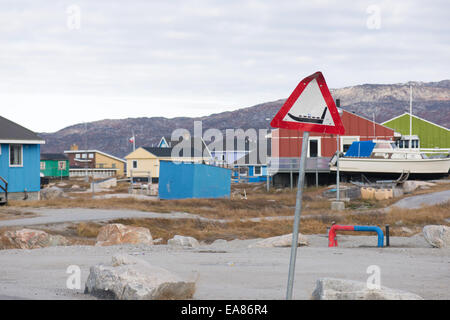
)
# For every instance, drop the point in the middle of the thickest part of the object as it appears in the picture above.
(255, 202)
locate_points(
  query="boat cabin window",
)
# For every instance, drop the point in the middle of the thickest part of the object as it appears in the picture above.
(383, 145)
(404, 144)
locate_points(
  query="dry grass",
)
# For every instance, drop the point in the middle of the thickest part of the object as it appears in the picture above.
(88, 229)
(7, 213)
(258, 203)
(237, 229)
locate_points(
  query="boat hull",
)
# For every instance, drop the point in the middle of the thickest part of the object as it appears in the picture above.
(367, 165)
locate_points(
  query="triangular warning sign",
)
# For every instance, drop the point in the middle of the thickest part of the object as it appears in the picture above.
(310, 108)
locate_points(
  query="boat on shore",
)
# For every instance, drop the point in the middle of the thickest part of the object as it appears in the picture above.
(384, 157)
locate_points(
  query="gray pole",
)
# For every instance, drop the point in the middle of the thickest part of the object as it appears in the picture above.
(337, 170)
(338, 105)
(298, 210)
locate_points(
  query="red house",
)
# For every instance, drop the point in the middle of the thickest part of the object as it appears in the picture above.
(287, 144)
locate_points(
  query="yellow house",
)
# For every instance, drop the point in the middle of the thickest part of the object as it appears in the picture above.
(143, 163)
(94, 163)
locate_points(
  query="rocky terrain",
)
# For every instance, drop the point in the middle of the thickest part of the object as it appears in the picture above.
(430, 101)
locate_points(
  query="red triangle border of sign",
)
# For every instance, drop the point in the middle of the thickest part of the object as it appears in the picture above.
(338, 127)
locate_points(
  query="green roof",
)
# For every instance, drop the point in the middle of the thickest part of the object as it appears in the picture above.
(431, 135)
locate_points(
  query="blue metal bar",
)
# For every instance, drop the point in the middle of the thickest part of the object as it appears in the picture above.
(374, 229)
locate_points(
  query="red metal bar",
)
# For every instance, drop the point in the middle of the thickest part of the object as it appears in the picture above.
(332, 241)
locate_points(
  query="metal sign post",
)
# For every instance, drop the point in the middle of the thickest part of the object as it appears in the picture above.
(298, 211)
(309, 108)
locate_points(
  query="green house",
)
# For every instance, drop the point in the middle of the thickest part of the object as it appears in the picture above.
(54, 165)
(431, 135)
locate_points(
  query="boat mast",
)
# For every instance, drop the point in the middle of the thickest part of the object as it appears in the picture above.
(410, 117)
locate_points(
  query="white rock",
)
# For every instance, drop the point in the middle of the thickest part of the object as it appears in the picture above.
(183, 241)
(130, 278)
(280, 241)
(340, 289)
(411, 185)
(437, 235)
(51, 193)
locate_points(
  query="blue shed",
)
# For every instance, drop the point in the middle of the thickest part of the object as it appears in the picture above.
(19, 161)
(193, 180)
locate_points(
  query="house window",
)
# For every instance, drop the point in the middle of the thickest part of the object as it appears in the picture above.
(257, 170)
(78, 156)
(42, 165)
(91, 156)
(313, 148)
(242, 171)
(347, 141)
(84, 155)
(113, 165)
(134, 164)
(15, 155)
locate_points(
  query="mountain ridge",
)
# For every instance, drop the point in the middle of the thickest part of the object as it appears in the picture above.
(431, 101)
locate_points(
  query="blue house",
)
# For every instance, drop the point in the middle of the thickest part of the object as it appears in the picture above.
(19, 161)
(253, 166)
(193, 180)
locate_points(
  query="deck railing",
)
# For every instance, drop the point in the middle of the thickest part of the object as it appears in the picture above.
(4, 188)
(288, 164)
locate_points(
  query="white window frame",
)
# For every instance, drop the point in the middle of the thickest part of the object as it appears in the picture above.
(78, 156)
(319, 146)
(42, 165)
(132, 164)
(21, 156)
(341, 144)
(91, 156)
(245, 169)
(84, 156)
(260, 171)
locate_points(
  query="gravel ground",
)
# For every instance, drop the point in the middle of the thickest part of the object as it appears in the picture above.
(54, 216)
(430, 199)
(231, 270)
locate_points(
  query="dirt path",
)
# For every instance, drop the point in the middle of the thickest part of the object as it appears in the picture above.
(55, 216)
(429, 199)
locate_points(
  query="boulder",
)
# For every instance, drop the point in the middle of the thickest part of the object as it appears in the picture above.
(130, 278)
(437, 235)
(117, 233)
(280, 241)
(30, 239)
(182, 241)
(341, 289)
(411, 185)
(51, 193)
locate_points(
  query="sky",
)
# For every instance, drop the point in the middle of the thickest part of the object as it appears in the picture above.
(67, 62)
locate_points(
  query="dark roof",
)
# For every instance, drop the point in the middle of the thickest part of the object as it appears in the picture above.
(238, 145)
(167, 152)
(12, 131)
(159, 152)
(53, 156)
(249, 158)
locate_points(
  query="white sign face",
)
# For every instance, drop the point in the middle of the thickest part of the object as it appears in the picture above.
(311, 108)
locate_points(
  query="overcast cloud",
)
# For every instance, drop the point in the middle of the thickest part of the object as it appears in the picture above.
(193, 58)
